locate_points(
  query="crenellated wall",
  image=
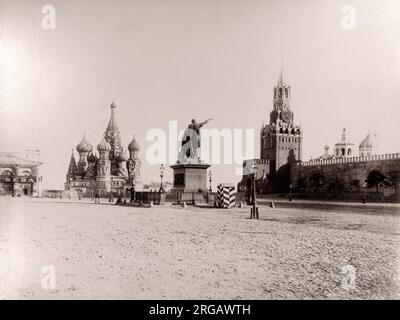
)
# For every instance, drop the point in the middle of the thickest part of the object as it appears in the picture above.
(377, 157)
(341, 174)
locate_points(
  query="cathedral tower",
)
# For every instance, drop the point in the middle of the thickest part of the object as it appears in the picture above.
(103, 165)
(112, 134)
(281, 139)
(83, 148)
(72, 168)
(113, 137)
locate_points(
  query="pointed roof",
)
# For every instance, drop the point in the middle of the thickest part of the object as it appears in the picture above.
(280, 81)
(72, 157)
(112, 123)
(72, 165)
(112, 134)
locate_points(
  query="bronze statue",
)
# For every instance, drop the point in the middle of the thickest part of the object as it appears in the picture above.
(191, 141)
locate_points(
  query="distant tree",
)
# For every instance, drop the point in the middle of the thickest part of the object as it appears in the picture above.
(300, 185)
(393, 179)
(375, 177)
(316, 181)
(355, 183)
(335, 185)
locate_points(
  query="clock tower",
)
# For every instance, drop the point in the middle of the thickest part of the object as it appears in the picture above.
(281, 138)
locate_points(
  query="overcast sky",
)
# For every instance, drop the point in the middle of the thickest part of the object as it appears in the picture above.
(162, 60)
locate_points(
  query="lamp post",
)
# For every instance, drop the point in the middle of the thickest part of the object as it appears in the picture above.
(365, 192)
(12, 185)
(254, 209)
(161, 176)
(210, 179)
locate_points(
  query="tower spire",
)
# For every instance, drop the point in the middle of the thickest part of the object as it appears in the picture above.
(281, 73)
(71, 167)
(112, 134)
(112, 123)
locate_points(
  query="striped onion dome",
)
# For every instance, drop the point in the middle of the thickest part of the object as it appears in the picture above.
(84, 145)
(103, 146)
(133, 146)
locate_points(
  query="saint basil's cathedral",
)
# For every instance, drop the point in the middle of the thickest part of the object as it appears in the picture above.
(110, 170)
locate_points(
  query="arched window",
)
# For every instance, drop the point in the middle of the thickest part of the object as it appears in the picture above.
(7, 176)
(280, 92)
(349, 152)
(26, 173)
(7, 173)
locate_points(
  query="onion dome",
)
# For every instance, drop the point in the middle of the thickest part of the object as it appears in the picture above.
(122, 157)
(366, 143)
(92, 158)
(103, 146)
(84, 145)
(133, 146)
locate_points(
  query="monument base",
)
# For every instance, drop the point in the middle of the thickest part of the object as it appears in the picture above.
(190, 177)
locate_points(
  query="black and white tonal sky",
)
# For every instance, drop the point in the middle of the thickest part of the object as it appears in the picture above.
(163, 60)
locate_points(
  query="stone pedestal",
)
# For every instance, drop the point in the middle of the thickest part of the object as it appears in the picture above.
(190, 177)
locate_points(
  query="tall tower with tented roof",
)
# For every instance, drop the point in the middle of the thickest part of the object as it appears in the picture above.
(281, 138)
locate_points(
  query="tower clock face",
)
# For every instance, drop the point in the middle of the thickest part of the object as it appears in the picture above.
(286, 115)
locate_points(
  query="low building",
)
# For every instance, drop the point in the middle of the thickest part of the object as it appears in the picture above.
(19, 175)
(342, 149)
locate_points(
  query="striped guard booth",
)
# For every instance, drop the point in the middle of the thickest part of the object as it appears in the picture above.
(226, 195)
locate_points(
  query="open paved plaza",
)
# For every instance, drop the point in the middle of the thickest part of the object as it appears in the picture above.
(105, 251)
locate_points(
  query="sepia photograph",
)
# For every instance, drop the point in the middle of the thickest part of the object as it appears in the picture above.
(199, 150)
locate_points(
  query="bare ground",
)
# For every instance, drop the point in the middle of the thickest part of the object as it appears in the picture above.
(104, 251)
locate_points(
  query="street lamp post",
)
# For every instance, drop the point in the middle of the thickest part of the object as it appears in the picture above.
(210, 179)
(365, 192)
(254, 209)
(161, 176)
(12, 185)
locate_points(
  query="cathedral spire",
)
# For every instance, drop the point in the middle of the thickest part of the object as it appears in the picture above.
(112, 123)
(72, 167)
(112, 135)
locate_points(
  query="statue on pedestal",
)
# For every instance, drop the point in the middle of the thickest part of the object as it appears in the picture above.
(191, 142)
